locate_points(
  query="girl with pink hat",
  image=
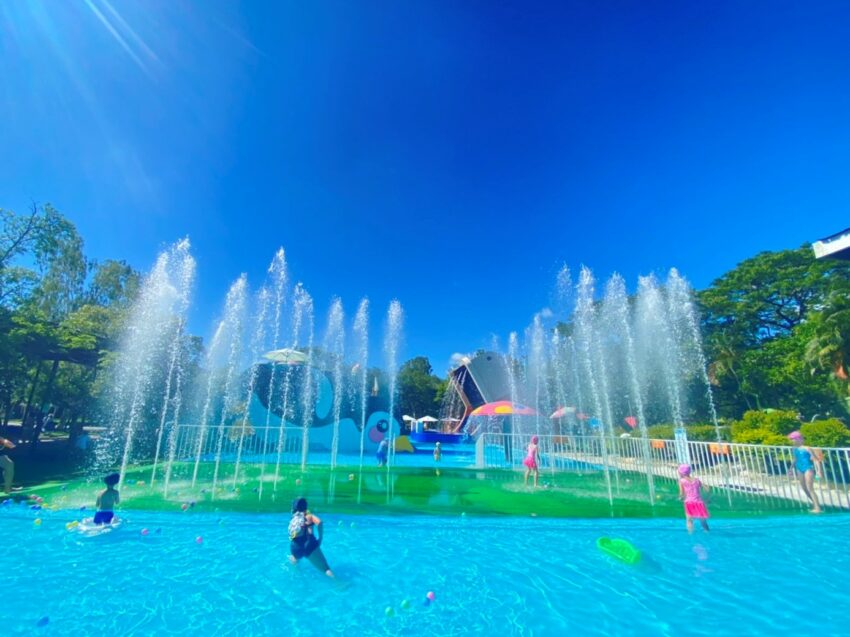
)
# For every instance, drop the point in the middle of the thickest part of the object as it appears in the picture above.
(690, 490)
(807, 462)
(531, 461)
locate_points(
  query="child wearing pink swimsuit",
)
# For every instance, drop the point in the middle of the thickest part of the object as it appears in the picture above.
(530, 461)
(690, 489)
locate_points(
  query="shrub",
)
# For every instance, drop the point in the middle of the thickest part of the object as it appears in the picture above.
(664, 432)
(697, 433)
(826, 433)
(777, 422)
(706, 433)
(761, 436)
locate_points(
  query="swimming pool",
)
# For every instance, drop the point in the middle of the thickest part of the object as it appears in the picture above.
(491, 576)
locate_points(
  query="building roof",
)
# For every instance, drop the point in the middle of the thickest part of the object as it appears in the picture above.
(836, 246)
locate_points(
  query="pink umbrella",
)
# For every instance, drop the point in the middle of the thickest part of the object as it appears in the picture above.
(503, 408)
(560, 412)
(631, 421)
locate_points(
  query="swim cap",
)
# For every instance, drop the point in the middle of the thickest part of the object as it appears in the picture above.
(535, 440)
(795, 435)
(299, 505)
(684, 470)
(112, 479)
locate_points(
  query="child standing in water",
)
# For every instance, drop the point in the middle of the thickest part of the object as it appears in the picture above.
(438, 452)
(807, 462)
(107, 500)
(531, 461)
(381, 455)
(305, 536)
(690, 490)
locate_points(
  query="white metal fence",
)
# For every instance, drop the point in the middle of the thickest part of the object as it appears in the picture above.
(759, 473)
(756, 473)
(257, 445)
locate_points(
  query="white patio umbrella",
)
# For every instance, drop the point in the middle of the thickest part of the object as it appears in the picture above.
(286, 356)
(407, 418)
(427, 419)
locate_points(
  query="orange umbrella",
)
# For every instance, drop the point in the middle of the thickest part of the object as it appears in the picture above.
(503, 408)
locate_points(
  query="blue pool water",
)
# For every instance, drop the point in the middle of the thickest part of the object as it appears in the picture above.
(780, 576)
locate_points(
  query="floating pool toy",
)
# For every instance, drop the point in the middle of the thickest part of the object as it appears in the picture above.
(199, 540)
(619, 548)
(37, 521)
(72, 525)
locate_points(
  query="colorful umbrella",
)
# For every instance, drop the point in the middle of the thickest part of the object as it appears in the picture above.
(503, 408)
(560, 412)
(286, 356)
(631, 421)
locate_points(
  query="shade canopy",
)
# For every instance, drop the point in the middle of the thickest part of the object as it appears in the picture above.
(286, 356)
(503, 408)
(560, 412)
(427, 419)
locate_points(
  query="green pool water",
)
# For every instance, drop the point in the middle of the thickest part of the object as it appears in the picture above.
(402, 491)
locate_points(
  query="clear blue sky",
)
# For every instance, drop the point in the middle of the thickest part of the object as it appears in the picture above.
(450, 154)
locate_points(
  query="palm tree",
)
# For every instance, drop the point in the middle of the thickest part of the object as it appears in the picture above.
(829, 350)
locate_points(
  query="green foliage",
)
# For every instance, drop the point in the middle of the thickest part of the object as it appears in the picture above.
(759, 322)
(696, 432)
(662, 432)
(765, 427)
(418, 388)
(760, 436)
(826, 433)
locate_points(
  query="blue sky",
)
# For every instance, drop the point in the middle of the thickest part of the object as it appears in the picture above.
(450, 154)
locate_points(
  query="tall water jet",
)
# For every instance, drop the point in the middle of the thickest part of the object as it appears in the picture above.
(617, 306)
(278, 273)
(257, 348)
(234, 315)
(185, 278)
(307, 394)
(584, 333)
(156, 316)
(221, 350)
(537, 367)
(334, 346)
(682, 310)
(361, 335)
(659, 350)
(392, 342)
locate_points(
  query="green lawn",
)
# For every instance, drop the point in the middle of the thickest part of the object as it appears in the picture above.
(403, 491)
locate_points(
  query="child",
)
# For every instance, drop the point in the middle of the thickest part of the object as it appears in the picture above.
(107, 500)
(6, 464)
(438, 452)
(303, 541)
(531, 461)
(382, 452)
(690, 490)
(807, 462)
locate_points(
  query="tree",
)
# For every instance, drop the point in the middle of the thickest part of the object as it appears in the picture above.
(756, 329)
(829, 347)
(418, 388)
(769, 295)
